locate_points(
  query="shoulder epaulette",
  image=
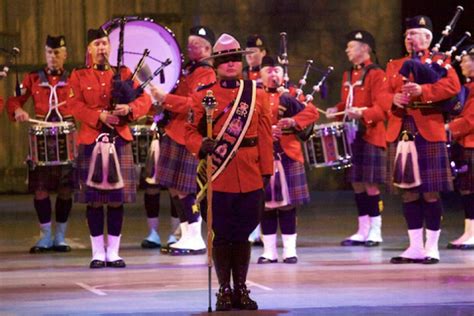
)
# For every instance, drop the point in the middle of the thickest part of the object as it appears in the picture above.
(206, 86)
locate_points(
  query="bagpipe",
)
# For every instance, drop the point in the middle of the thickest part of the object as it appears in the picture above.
(406, 170)
(104, 171)
(292, 99)
(436, 67)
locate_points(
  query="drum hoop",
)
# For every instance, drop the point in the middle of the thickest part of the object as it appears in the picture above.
(114, 23)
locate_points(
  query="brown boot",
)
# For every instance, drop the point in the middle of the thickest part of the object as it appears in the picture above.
(240, 266)
(222, 263)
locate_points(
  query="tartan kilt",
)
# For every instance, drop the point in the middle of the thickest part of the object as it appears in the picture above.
(177, 167)
(465, 181)
(86, 194)
(50, 178)
(296, 179)
(433, 161)
(369, 163)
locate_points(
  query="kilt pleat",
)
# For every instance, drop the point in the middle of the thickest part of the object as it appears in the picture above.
(369, 163)
(50, 178)
(296, 179)
(177, 167)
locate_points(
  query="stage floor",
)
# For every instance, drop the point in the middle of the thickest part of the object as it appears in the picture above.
(328, 279)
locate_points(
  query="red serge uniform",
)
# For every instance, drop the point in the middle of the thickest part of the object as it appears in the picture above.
(244, 172)
(179, 103)
(40, 95)
(430, 125)
(44, 177)
(289, 142)
(369, 95)
(462, 127)
(91, 94)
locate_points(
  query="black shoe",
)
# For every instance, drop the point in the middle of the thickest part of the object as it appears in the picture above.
(97, 264)
(403, 260)
(116, 264)
(290, 260)
(147, 244)
(62, 248)
(350, 242)
(467, 247)
(224, 299)
(453, 246)
(185, 252)
(370, 243)
(263, 260)
(36, 249)
(242, 300)
(430, 260)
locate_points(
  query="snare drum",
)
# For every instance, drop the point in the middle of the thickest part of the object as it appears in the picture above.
(142, 137)
(328, 146)
(52, 144)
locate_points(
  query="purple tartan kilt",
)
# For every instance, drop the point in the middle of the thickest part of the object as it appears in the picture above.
(369, 163)
(86, 194)
(50, 178)
(465, 181)
(433, 162)
(296, 179)
(177, 167)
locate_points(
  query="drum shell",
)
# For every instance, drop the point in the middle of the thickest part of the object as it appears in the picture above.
(53, 144)
(328, 146)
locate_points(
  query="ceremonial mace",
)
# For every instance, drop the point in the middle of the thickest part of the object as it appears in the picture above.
(209, 102)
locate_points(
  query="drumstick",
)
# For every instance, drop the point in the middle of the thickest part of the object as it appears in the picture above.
(39, 122)
(344, 112)
(321, 111)
(59, 104)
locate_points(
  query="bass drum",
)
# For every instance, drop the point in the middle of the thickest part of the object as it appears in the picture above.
(144, 33)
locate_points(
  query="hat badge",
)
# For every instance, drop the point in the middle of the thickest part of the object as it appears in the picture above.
(259, 42)
(61, 43)
(358, 35)
(422, 21)
(202, 32)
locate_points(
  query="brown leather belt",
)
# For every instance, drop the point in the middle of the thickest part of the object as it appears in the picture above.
(249, 142)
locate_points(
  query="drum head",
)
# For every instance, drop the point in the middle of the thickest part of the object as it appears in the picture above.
(142, 33)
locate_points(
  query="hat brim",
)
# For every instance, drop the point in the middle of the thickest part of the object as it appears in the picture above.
(227, 53)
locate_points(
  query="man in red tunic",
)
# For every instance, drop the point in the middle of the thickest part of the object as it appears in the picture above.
(362, 97)
(288, 188)
(420, 129)
(91, 100)
(48, 87)
(177, 166)
(242, 158)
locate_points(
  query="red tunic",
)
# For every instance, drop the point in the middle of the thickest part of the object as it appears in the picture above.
(289, 142)
(91, 94)
(372, 94)
(40, 95)
(244, 172)
(430, 125)
(180, 102)
(462, 127)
